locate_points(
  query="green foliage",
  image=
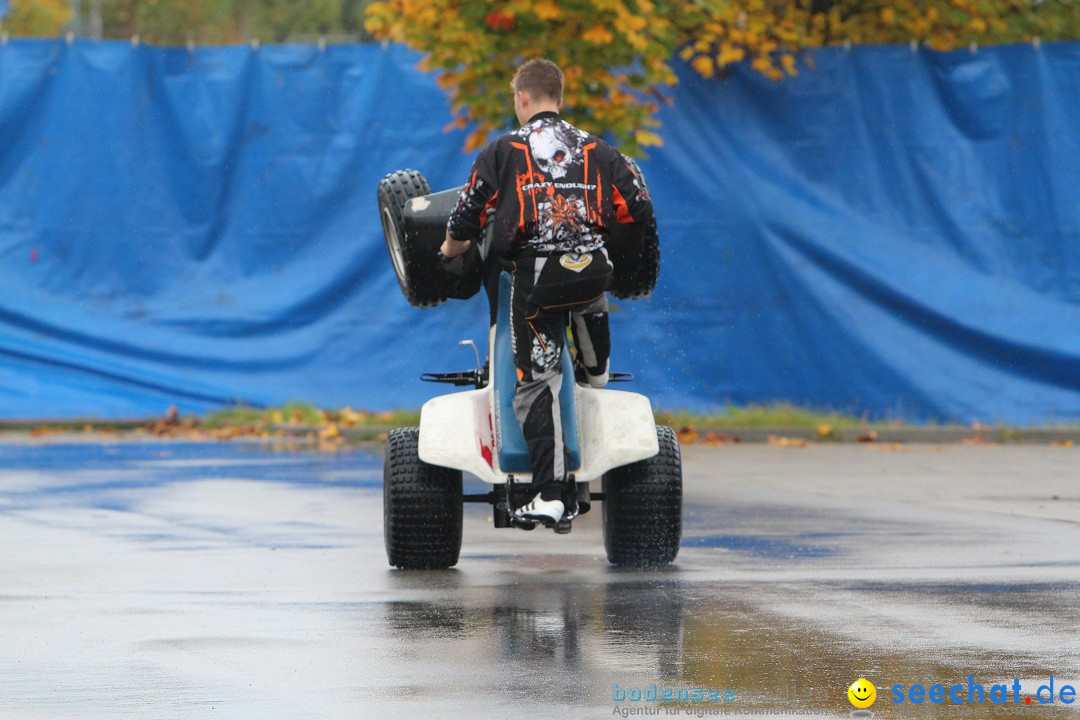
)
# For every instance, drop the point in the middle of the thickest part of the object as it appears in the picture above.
(38, 18)
(776, 415)
(303, 414)
(277, 20)
(167, 22)
(175, 22)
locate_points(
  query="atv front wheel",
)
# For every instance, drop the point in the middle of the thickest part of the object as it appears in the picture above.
(422, 506)
(395, 191)
(414, 233)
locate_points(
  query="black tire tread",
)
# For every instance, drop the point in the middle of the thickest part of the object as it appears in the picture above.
(643, 507)
(422, 506)
(395, 191)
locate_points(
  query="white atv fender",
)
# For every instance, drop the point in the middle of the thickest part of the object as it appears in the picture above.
(459, 431)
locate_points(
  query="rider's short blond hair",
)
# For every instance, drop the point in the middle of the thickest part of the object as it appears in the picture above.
(542, 79)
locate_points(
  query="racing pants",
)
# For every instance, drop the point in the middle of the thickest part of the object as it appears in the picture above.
(548, 291)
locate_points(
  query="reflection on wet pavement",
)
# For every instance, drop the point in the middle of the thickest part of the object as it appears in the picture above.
(193, 580)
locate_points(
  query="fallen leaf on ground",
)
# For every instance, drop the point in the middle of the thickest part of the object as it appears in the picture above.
(687, 435)
(778, 441)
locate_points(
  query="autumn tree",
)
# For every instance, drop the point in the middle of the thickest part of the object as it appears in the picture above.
(171, 22)
(168, 22)
(615, 56)
(617, 53)
(174, 22)
(772, 35)
(40, 18)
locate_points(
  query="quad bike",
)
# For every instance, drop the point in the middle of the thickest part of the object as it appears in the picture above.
(610, 436)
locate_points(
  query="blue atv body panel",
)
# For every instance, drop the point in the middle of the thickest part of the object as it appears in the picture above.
(513, 452)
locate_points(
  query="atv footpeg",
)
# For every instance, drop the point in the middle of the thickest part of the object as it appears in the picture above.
(522, 523)
(506, 515)
(562, 527)
(460, 379)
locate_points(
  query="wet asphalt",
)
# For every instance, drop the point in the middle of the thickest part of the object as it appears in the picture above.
(184, 580)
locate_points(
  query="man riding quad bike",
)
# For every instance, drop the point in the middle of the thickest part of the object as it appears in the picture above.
(561, 214)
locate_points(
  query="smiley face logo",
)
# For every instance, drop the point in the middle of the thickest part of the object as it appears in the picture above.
(862, 693)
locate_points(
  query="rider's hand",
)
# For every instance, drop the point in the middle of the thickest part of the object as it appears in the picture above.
(451, 248)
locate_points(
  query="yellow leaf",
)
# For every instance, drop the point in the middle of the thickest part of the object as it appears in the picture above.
(781, 441)
(647, 138)
(457, 123)
(888, 15)
(598, 35)
(349, 417)
(546, 10)
(687, 435)
(763, 65)
(636, 41)
(703, 64)
(730, 54)
(476, 139)
(789, 64)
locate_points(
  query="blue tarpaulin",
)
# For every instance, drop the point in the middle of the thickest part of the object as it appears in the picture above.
(890, 233)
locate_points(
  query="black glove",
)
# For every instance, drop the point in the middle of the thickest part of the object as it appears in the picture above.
(464, 265)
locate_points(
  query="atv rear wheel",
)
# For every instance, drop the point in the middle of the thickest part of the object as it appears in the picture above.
(643, 507)
(422, 506)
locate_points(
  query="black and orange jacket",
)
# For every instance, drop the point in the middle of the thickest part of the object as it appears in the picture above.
(554, 189)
